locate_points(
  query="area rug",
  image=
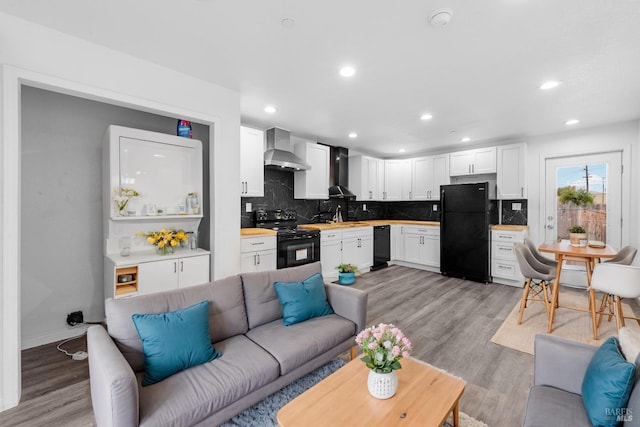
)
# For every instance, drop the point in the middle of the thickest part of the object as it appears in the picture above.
(572, 324)
(263, 413)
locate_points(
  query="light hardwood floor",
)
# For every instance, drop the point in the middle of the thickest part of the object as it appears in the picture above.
(450, 322)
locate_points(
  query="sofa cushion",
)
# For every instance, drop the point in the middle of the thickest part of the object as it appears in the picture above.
(629, 341)
(297, 344)
(549, 406)
(260, 296)
(174, 341)
(302, 300)
(607, 384)
(190, 396)
(227, 315)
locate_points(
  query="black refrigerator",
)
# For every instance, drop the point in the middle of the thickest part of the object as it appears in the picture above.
(464, 231)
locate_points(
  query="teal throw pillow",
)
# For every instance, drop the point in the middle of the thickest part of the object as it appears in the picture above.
(174, 341)
(303, 300)
(607, 385)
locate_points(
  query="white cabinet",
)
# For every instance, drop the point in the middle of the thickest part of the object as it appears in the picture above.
(164, 275)
(421, 245)
(429, 173)
(397, 251)
(258, 253)
(312, 183)
(473, 162)
(504, 265)
(366, 176)
(352, 245)
(512, 171)
(397, 180)
(251, 162)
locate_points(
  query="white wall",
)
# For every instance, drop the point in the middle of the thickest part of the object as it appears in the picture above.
(80, 67)
(625, 136)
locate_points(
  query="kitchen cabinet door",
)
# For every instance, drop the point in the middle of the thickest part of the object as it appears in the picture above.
(312, 183)
(430, 251)
(460, 163)
(365, 175)
(365, 253)
(330, 256)
(157, 276)
(397, 180)
(412, 247)
(484, 160)
(422, 171)
(512, 171)
(251, 162)
(440, 175)
(397, 252)
(193, 271)
(258, 261)
(373, 178)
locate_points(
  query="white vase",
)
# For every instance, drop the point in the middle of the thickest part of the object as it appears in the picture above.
(382, 386)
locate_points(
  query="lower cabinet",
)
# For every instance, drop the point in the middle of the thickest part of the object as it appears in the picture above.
(504, 265)
(416, 246)
(164, 275)
(258, 253)
(352, 246)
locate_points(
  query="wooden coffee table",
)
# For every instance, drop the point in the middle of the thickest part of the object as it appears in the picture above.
(425, 398)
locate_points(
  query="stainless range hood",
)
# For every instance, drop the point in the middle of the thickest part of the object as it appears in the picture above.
(280, 152)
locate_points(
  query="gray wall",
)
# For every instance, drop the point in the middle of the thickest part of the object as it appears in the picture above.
(61, 230)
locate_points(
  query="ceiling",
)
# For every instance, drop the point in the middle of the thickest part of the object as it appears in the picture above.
(479, 76)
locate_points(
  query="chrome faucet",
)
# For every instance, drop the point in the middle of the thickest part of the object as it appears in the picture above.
(338, 215)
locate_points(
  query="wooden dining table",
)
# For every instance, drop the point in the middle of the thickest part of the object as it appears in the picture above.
(564, 251)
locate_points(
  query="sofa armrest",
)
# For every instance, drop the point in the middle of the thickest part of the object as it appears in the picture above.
(114, 388)
(561, 363)
(349, 303)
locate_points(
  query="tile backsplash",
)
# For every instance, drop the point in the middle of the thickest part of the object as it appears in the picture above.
(513, 216)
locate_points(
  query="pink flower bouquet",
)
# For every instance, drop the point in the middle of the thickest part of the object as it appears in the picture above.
(383, 347)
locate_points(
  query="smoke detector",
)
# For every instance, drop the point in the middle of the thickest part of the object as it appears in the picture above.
(441, 17)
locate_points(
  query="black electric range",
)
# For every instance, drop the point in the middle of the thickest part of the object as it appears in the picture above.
(296, 246)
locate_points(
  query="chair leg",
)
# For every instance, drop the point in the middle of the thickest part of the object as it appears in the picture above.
(523, 302)
(547, 304)
(620, 313)
(603, 305)
(592, 307)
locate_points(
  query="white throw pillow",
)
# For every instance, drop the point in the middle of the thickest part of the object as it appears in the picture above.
(629, 343)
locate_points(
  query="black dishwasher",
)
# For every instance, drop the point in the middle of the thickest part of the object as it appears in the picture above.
(381, 246)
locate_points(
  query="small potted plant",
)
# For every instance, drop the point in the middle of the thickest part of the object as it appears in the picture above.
(347, 273)
(577, 236)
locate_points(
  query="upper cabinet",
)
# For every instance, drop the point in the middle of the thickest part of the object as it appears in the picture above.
(511, 175)
(366, 176)
(251, 162)
(312, 183)
(429, 173)
(473, 162)
(397, 180)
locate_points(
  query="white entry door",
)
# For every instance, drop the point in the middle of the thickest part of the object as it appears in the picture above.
(601, 176)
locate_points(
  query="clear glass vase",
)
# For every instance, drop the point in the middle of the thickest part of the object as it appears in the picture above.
(165, 250)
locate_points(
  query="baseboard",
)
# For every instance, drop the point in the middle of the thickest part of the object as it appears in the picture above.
(418, 266)
(54, 336)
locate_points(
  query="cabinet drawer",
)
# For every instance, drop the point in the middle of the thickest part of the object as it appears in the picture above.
(261, 243)
(329, 236)
(506, 236)
(357, 232)
(505, 269)
(503, 250)
(423, 231)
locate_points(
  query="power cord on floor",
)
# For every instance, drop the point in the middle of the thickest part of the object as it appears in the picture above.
(78, 355)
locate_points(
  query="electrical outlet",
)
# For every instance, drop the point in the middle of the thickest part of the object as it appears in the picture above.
(516, 206)
(75, 318)
(364, 207)
(247, 207)
(435, 208)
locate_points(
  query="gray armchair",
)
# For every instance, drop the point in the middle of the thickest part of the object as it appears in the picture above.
(555, 398)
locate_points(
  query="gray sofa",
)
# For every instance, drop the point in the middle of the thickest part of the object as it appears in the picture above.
(555, 398)
(259, 354)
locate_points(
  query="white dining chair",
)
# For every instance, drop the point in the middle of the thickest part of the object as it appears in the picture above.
(625, 256)
(619, 281)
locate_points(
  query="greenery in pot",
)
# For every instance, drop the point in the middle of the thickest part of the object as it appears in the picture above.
(347, 268)
(578, 229)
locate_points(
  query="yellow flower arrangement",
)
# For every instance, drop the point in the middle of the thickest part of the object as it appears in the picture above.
(166, 239)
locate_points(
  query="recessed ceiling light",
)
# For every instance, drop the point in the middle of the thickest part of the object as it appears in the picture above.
(572, 122)
(347, 71)
(270, 109)
(465, 139)
(402, 150)
(551, 84)
(353, 135)
(441, 17)
(426, 116)
(288, 23)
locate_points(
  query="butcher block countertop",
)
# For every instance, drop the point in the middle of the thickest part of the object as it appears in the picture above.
(257, 232)
(506, 227)
(352, 224)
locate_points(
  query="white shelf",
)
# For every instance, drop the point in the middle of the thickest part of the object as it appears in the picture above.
(153, 217)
